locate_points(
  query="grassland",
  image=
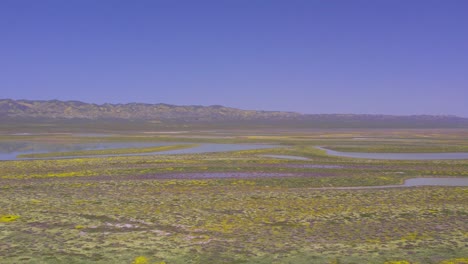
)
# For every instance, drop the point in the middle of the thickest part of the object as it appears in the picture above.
(108, 152)
(237, 207)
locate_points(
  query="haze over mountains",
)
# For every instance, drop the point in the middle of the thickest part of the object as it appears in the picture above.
(134, 111)
(67, 111)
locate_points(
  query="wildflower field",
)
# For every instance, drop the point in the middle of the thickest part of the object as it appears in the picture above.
(237, 206)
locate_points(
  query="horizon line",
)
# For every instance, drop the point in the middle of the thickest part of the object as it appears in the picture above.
(217, 105)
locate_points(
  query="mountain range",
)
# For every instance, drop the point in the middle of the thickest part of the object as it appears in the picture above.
(66, 111)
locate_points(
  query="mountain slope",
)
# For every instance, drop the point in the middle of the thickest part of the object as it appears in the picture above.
(68, 111)
(136, 111)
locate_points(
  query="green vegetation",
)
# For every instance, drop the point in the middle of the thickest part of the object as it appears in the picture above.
(403, 148)
(236, 207)
(106, 151)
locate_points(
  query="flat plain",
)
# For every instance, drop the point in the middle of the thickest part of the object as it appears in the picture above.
(245, 206)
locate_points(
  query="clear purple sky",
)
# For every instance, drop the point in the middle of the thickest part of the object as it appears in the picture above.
(311, 56)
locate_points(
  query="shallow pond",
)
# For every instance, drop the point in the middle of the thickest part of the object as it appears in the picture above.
(10, 150)
(398, 156)
(436, 182)
(286, 157)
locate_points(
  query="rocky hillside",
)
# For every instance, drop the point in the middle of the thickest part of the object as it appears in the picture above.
(134, 111)
(67, 111)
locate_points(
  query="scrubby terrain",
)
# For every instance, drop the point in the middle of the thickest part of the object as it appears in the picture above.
(240, 206)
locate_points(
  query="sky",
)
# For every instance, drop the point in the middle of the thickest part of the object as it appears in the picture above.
(399, 57)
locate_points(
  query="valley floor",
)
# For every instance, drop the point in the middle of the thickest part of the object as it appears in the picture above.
(262, 209)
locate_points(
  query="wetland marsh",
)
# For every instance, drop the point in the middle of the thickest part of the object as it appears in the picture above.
(281, 200)
(398, 156)
(234, 132)
(31, 150)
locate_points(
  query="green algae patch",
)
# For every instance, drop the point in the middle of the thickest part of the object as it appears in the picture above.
(8, 218)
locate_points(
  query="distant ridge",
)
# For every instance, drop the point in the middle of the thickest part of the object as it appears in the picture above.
(56, 111)
(134, 111)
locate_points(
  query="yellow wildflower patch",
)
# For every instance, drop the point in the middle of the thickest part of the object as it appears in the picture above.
(140, 260)
(8, 218)
(455, 261)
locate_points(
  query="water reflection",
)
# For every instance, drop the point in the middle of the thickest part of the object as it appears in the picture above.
(436, 182)
(10, 150)
(398, 156)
